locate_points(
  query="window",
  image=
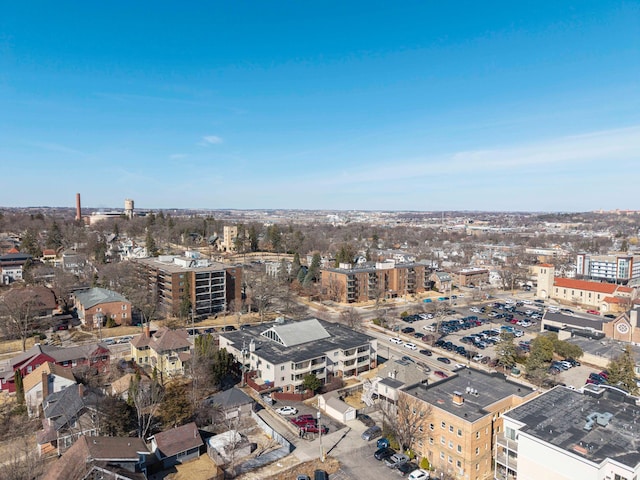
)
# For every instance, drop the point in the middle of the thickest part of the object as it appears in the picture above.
(420, 429)
(458, 464)
(420, 443)
(443, 425)
(450, 444)
(124, 315)
(450, 460)
(459, 432)
(430, 440)
(124, 307)
(451, 428)
(282, 379)
(281, 367)
(459, 448)
(442, 455)
(477, 466)
(442, 440)
(477, 450)
(431, 426)
(478, 434)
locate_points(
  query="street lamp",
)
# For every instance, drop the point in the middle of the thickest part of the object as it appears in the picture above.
(320, 430)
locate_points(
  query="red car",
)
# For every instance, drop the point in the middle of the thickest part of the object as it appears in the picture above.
(304, 420)
(593, 312)
(440, 374)
(313, 428)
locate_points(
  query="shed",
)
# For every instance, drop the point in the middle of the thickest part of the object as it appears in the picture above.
(331, 404)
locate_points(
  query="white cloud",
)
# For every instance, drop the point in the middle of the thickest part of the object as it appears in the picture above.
(210, 140)
(603, 146)
(177, 156)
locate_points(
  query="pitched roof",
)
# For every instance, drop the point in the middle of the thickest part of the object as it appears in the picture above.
(606, 288)
(73, 464)
(177, 440)
(230, 398)
(35, 377)
(96, 296)
(163, 340)
(63, 407)
(293, 334)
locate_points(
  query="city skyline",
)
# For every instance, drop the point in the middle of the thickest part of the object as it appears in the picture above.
(364, 106)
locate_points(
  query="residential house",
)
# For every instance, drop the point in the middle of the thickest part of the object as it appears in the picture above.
(464, 414)
(12, 266)
(233, 403)
(73, 262)
(46, 379)
(94, 356)
(442, 281)
(281, 354)
(177, 445)
(120, 387)
(588, 434)
(68, 415)
(168, 351)
(108, 458)
(95, 305)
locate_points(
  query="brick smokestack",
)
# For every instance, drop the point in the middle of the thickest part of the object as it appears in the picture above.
(147, 330)
(78, 209)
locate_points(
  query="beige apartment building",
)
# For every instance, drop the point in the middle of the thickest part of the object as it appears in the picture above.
(471, 277)
(465, 415)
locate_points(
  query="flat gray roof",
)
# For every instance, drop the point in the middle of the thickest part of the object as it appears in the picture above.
(561, 417)
(575, 321)
(487, 389)
(176, 268)
(340, 337)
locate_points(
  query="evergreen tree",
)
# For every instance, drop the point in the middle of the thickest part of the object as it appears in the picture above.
(254, 238)
(185, 298)
(311, 382)
(314, 270)
(19, 387)
(506, 350)
(150, 243)
(54, 237)
(295, 265)
(621, 371)
(29, 245)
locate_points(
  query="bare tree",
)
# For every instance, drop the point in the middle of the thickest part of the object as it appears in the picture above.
(408, 419)
(147, 399)
(351, 318)
(19, 308)
(263, 292)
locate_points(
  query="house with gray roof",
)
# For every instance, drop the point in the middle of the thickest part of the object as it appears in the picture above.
(68, 414)
(177, 445)
(96, 305)
(233, 403)
(284, 352)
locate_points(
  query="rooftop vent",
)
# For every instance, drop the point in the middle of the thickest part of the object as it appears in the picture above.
(601, 419)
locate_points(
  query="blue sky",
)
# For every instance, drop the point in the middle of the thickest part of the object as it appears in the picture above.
(323, 105)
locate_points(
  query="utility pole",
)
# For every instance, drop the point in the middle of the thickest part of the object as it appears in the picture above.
(320, 430)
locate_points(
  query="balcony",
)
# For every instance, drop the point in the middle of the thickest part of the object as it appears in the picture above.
(506, 443)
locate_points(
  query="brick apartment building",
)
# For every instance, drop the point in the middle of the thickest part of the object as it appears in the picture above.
(212, 286)
(471, 277)
(374, 280)
(94, 305)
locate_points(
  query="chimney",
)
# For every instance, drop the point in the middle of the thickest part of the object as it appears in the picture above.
(147, 330)
(45, 385)
(78, 209)
(81, 390)
(457, 398)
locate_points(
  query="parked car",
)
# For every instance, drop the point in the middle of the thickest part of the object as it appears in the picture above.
(428, 353)
(440, 374)
(418, 474)
(303, 477)
(382, 443)
(396, 340)
(371, 432)
(444, 360)
(314, 428)
(593, 312)
(286, 410)
(410, 346)
(408, 359)
(366, 420)
(408, 330)
(320, 475)
(396, 460)
(303, 420)
(406, 468)
(383, 453)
